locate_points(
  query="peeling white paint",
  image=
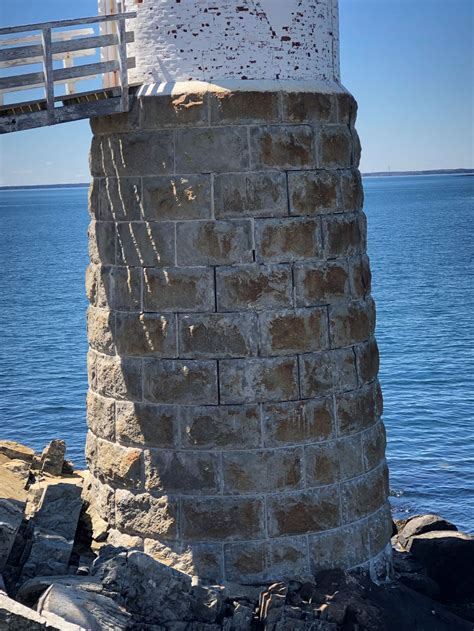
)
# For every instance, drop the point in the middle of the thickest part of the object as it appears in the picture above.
(214, 41)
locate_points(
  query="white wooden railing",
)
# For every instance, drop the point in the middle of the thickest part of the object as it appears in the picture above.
(43, 44)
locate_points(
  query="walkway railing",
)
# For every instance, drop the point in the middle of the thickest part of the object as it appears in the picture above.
(50, 46)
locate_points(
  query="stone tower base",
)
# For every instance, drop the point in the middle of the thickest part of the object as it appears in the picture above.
(234, 409)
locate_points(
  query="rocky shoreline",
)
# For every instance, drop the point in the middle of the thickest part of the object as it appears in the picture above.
(60, 568)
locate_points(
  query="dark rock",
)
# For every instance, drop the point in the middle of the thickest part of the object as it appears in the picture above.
(11, 517)
(207, 603)
(59, 511)
(54, 530)
(404, 562)
(421, 584)
(148, 589)
(241, 618)
(448, 557)
(271, 604)
(30, 592)
(52, 458)
(423, 523)
(90, 611)
(17, 617)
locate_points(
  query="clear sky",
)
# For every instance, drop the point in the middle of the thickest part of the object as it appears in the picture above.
(410, 64)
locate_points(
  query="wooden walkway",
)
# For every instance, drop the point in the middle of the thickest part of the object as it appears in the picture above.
(43, 44)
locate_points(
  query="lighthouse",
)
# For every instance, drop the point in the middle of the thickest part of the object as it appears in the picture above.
(234, 410)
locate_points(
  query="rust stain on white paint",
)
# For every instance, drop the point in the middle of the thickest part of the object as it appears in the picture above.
(204, 40)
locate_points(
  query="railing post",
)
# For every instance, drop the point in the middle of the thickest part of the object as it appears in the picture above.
(122, 59)
(68, 62)
(48, 72)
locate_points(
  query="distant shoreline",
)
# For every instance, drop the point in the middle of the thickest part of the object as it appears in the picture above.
(371, 174)
(410, 173)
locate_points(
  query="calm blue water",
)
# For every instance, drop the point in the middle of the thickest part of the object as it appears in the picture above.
(421, 242)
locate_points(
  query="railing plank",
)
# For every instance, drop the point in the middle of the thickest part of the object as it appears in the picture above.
(85, 46)
(35, 86)
(39, 80)
(87, 69)
(24, 81)
(36, 39)
(27, 61)
(96, 19)
(97, 41)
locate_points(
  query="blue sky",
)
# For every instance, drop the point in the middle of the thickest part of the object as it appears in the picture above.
(408, 62)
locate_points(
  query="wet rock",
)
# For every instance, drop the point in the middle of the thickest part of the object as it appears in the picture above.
(87, 610)
(52, 458)
(423, 523)
(448, 557)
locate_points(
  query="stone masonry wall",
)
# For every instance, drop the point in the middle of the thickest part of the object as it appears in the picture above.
(234, 408)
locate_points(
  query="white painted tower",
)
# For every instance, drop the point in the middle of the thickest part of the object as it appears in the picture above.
(234, 409)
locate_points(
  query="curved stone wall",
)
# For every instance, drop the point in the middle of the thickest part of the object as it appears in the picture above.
(234, 408)
(212, 41)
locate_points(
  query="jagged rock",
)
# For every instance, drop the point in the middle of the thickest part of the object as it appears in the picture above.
(17, 617)
(52, 458)
(242, 618)
(87, 610)
(11, 517)
(423, 523)
(421, 584)
(148, 589)
(404, 562)
(59, 511)
(236, 591)
(19, 468)
(54, 530)
(14, 451)
(271, 604)
(30, 592)
(207, 602)
(448, 557)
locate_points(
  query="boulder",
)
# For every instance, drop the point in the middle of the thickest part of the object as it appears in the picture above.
(59, 511)
(86, 610)
(52, 458)
(18, 468)
(151, 591)
(242, 617)
(17, 617)
(272, 603)
(11, 517)
(14, 451)
(448, 557)
(420, 524)
(30, 592)
(207, 603)
(55, 526)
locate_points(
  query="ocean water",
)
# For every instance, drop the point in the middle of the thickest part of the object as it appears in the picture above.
(421, 244)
